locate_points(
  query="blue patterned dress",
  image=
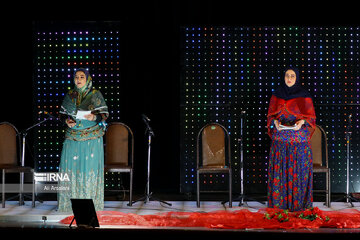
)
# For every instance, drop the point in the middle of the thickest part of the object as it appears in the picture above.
(83, 161)
(82, 157)
(290, 176)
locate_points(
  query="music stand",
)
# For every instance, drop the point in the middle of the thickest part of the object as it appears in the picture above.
(84, 213)
(148, 196)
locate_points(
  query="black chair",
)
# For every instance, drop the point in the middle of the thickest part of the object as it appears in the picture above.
(9, 162)
(213, 155)
(119, 151)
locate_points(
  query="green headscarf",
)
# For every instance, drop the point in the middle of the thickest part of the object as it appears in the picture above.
(84, 99)
(82, 92)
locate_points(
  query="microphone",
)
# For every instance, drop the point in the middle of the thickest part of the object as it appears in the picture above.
(145, 117)
(46, 113)
(350, 116)
(148, 128)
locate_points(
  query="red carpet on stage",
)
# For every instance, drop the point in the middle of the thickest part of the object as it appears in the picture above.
(241, 219)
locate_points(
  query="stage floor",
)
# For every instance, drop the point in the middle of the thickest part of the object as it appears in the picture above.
(45, 215)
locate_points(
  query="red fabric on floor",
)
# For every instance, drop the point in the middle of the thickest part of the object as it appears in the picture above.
(240, 219)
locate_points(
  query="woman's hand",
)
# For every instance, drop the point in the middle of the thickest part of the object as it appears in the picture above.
(71, 123)
(299, 124)
(90, 117)
(276, 122)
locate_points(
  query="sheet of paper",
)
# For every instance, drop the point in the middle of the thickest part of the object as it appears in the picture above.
(287, 127)
(81, 114)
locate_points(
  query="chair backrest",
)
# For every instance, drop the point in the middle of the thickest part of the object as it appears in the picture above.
(214, 146)
(8, 145)
(319, 147)
(117, 148)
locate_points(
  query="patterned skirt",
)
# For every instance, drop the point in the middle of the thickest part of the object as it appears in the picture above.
(83, 162)
(290, 174)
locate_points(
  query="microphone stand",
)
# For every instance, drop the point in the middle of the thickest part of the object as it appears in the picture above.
(349, 198)
(148, 196)
(242, 195)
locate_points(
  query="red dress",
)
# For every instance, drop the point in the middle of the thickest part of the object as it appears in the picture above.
(290, 161)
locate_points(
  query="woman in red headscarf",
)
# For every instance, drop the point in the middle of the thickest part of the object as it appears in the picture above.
(291, 123)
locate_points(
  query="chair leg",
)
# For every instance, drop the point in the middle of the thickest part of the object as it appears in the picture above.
(131, 186)
(197, 189)
(21, 198)
(33, 190)
(328, 189)
(3, 189)
(230, 188)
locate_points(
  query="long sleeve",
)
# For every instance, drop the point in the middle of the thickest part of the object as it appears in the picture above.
(274, 108)
(301, 108)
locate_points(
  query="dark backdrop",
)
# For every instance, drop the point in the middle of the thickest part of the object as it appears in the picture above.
(150, 60)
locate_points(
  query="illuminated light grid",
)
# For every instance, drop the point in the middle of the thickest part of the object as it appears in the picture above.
(229, 69)
(57, 54)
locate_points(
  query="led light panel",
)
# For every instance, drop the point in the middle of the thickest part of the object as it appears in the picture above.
(57, 53)
(226, 70)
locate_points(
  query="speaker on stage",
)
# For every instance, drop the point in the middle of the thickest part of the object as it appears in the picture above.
(84, 213)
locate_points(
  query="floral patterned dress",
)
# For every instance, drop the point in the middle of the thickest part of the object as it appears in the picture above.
(290, 168)
(290, 175)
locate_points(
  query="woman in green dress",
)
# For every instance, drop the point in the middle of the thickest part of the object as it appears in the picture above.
(82, 157)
